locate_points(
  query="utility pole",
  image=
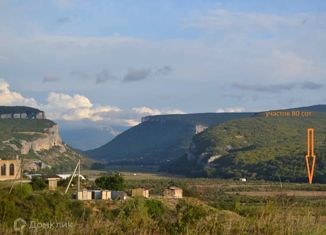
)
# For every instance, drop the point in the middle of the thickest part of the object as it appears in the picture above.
(73, 175)
(78, 176)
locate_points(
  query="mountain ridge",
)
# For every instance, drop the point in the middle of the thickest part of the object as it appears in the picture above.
(169, 133)
(152, 134)
(260, 147)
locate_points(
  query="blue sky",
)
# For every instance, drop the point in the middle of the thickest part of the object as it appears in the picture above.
(111, 62)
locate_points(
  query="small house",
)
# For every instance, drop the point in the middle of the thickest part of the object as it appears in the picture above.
(52, 181)
(173, 192)
(106, 195)
(140, 192)
(66, 176)
(84, 195)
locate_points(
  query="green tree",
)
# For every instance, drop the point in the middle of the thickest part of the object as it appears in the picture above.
(38, 183)
(111, 182)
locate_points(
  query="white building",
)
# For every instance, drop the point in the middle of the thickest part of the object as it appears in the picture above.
(243, 179)
(66, 176)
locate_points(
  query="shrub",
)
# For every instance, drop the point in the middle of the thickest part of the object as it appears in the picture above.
(155, 208)
(111, 182)
(22, 190)
(38, 183)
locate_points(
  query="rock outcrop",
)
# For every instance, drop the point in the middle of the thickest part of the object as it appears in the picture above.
(45, 141)
(20, 112)
(25, 133)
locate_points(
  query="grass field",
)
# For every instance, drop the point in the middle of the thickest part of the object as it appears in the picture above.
(92, 174)
(209, 206)
(289, 193)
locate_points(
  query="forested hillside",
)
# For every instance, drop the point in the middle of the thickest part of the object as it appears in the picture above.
(257, 147)
(159, 138)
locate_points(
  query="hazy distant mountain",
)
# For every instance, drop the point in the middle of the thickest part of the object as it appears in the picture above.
(87, 138)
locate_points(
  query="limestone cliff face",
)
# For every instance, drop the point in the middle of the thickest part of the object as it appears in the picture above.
(45, 141)
(25, 133)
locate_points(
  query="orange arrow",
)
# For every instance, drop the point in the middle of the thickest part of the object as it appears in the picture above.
(310, 153)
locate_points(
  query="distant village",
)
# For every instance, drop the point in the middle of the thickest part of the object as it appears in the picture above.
(86, 194)
(12, 170)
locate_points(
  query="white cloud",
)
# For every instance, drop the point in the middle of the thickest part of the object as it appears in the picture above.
(175, 111)
(231, 110)
(68, 102)
(132, 122)
(149, 111)
(138, 112)
(8, 97)
(83, 113)
(146, 111)
(93, 114)
(228, 46)
(77, 107)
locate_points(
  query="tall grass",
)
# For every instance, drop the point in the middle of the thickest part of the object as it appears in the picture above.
(204, 211)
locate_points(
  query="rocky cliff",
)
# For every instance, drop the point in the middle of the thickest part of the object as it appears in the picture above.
(37, 142)
(47, 140)
(20, 112)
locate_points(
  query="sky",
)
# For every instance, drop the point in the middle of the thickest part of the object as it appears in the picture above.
(107, 63)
